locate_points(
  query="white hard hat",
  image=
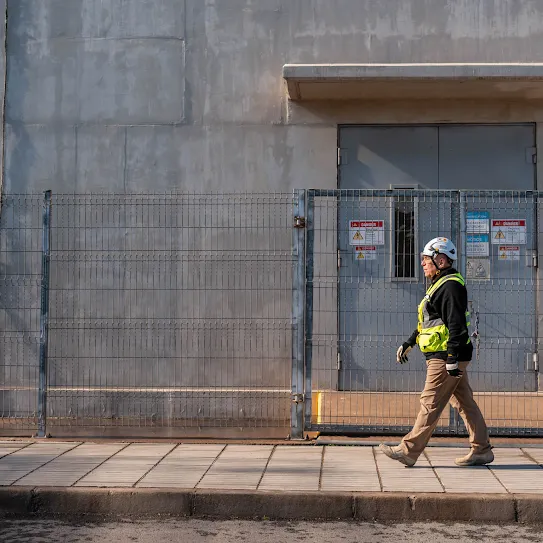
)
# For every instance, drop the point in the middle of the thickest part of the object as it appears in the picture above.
(440, 246)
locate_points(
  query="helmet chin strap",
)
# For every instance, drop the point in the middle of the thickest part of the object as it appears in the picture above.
(435, 263)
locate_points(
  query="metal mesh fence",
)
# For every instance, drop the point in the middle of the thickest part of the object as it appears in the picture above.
(20, 283)
(176, 311)
(367, 283)
(166, 311)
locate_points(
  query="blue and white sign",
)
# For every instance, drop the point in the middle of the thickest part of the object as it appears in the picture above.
(477, 222)
(477, 245)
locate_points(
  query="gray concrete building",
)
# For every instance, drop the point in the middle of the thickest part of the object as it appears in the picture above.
(152, 95)
(207, 96)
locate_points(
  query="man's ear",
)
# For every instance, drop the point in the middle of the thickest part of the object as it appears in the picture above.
(442, 261)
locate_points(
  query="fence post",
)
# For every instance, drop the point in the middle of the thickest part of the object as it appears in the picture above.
(462, 268)
(298, 297)
(44, 315)
(463, 236)
(309, 271)
(458, 235)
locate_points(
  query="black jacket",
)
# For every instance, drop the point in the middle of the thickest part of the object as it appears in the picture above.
(449, 303)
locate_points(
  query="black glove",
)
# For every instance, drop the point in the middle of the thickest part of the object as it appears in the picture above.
(452, 367)
(402, 352)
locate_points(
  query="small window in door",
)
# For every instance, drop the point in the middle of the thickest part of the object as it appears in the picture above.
(404, 265)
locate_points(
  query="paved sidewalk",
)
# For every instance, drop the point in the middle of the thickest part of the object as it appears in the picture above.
(255, 471)
(263, 468)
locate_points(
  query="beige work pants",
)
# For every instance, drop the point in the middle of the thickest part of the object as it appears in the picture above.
(439, 389)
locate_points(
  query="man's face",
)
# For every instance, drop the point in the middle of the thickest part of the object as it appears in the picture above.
(430, 268)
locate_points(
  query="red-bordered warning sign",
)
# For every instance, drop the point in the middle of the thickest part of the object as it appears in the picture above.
(509, 252)
(367, 232)
(508, 231)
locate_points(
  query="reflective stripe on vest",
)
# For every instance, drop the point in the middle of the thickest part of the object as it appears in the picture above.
(433, 334)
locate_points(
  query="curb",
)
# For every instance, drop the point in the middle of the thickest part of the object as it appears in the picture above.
(218, 504)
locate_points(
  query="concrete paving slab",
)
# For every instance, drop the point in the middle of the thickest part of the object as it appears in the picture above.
(396, 477)
(7, 447)
(239, 467)
(476, 479)
(293, 468)
(516, 472)
(349, 469)
(22, 462)
(183, 467)
(127, 467)
(536, 454)
(67, 469)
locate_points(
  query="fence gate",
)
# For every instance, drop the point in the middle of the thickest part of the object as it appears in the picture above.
(364, 282)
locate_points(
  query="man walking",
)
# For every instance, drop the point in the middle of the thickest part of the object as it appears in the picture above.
(442, 335)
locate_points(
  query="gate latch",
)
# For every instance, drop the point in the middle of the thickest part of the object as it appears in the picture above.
(532, 362)
(299, 222)
(298, 398)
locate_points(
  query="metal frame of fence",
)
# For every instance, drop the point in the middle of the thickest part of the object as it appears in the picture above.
(168, 314)
(353, 384)
(161, 314)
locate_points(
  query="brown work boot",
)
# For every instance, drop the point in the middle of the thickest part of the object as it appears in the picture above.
(396, 453)
(475, 459)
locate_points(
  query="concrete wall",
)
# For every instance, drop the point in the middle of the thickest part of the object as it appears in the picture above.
(153, 95)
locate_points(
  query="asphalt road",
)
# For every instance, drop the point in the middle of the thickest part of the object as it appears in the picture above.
(189, 531)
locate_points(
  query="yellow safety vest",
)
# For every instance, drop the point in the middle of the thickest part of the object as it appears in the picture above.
(433, 334)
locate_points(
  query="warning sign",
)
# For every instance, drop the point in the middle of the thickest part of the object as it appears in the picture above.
(371, 232)
(509, 252)
(508, 231)
(477, 245)
(478, 268)
(477, 222)
(365, 252)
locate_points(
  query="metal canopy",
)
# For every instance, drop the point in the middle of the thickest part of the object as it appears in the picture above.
(414, 81)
